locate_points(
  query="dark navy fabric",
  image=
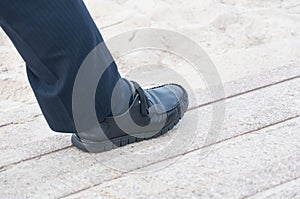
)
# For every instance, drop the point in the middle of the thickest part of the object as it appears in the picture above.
(54, 37)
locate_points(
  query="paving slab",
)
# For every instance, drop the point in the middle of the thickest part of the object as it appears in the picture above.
(23, 140)
(250, 83)
(277, 103)
(280, 103)
(53, 175)
(236, 168)
(289, 189)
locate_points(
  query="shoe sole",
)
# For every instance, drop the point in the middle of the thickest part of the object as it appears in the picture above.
(107, 145)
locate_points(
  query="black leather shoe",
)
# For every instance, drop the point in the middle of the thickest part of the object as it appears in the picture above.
(152, 113)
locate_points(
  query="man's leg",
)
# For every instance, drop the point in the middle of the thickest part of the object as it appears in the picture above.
(54, 37)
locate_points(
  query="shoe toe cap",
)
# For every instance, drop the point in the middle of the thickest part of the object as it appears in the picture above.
(169, 96)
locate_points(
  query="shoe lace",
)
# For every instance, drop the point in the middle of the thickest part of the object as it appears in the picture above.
(144, 103)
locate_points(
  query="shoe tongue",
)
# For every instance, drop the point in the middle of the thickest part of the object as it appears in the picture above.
(122, 98)
(131, 88)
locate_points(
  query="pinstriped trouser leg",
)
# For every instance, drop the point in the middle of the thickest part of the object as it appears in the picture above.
(54, 37)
